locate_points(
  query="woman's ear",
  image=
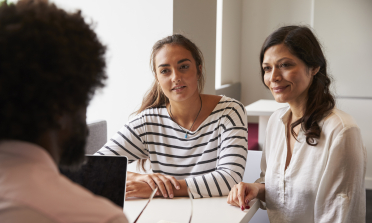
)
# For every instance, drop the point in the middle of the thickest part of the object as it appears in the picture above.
(315, 70)
(64, 120)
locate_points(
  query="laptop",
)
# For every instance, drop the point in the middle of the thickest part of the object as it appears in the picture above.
(102, 175)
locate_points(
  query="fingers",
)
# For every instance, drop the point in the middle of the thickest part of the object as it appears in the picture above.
(231, 197)
(165, 183)
(168, 185)
(251, 195)
(175, 182)
(160, 184)
(150, 181)
(130, 194)
(248, 198)
(241, 193)
(137, 189)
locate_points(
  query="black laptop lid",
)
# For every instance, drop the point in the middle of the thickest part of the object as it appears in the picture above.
(102, 175)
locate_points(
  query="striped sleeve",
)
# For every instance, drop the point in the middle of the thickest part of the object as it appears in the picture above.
(127, 142)
(232, 154)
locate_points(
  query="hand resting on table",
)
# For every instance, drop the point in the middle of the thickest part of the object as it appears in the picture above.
(242, 193)
(141, 185)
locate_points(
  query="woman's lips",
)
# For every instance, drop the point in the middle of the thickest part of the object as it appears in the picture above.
(178, 88)
(279, 89)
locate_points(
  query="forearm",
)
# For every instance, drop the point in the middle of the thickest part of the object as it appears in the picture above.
(183, 191)
(132, 176)
(261, 191)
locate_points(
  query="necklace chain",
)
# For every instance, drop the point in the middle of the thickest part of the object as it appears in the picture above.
(188, 130)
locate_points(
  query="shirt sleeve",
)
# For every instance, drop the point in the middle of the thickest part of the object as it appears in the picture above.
(261, 180)
(231, 157)
(341, 194)
(127, 142)
(15, 213)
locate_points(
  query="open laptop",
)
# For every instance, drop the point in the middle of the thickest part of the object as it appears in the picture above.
(106, 176)
(103, 175)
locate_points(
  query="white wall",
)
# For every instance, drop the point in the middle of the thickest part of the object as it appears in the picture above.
(231, 41)
(345, 29)
(259, 19)
(129, 29)
(197, 20)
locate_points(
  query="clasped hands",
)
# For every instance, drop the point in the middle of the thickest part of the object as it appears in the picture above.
(142, 185)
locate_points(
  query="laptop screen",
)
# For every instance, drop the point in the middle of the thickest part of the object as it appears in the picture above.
(102, 175)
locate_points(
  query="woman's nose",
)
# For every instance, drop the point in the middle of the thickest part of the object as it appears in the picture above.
(176, 76)
(275, 75)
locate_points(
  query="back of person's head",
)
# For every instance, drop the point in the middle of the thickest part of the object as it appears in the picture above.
(51, 62)
(302, 43)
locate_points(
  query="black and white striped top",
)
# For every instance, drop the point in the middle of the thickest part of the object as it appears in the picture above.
(211, 159)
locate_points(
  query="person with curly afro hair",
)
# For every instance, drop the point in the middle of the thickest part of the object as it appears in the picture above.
(51, 63)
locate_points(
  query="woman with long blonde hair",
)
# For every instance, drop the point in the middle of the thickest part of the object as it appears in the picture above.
(192, 140)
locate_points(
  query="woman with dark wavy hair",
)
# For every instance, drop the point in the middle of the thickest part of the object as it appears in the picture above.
(314, 161)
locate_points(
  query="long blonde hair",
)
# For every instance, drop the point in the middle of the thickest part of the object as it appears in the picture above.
(155, 97)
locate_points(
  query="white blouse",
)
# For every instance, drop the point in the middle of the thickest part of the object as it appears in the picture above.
(323, 183)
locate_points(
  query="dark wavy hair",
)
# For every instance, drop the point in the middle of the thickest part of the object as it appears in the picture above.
(302, 43)
(51, 62)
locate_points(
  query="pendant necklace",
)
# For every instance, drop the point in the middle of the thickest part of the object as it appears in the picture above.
(186, 132)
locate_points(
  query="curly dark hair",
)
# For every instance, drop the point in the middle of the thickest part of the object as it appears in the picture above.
(51, 62)
(302, 43)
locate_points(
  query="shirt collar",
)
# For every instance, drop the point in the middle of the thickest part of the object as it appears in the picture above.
(27, 152)
(285, 117)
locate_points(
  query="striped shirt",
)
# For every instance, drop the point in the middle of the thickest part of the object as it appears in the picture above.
(211, 159)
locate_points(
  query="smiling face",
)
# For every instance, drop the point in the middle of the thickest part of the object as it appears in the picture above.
(287, 77)
(177, 73)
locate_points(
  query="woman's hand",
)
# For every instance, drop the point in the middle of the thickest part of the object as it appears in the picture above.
(242, 193)
(164, 182)
(138, 189)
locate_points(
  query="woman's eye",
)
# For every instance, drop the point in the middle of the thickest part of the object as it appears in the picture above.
(266, 69)
(164, 71)
(184, 66)
(284, 65)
